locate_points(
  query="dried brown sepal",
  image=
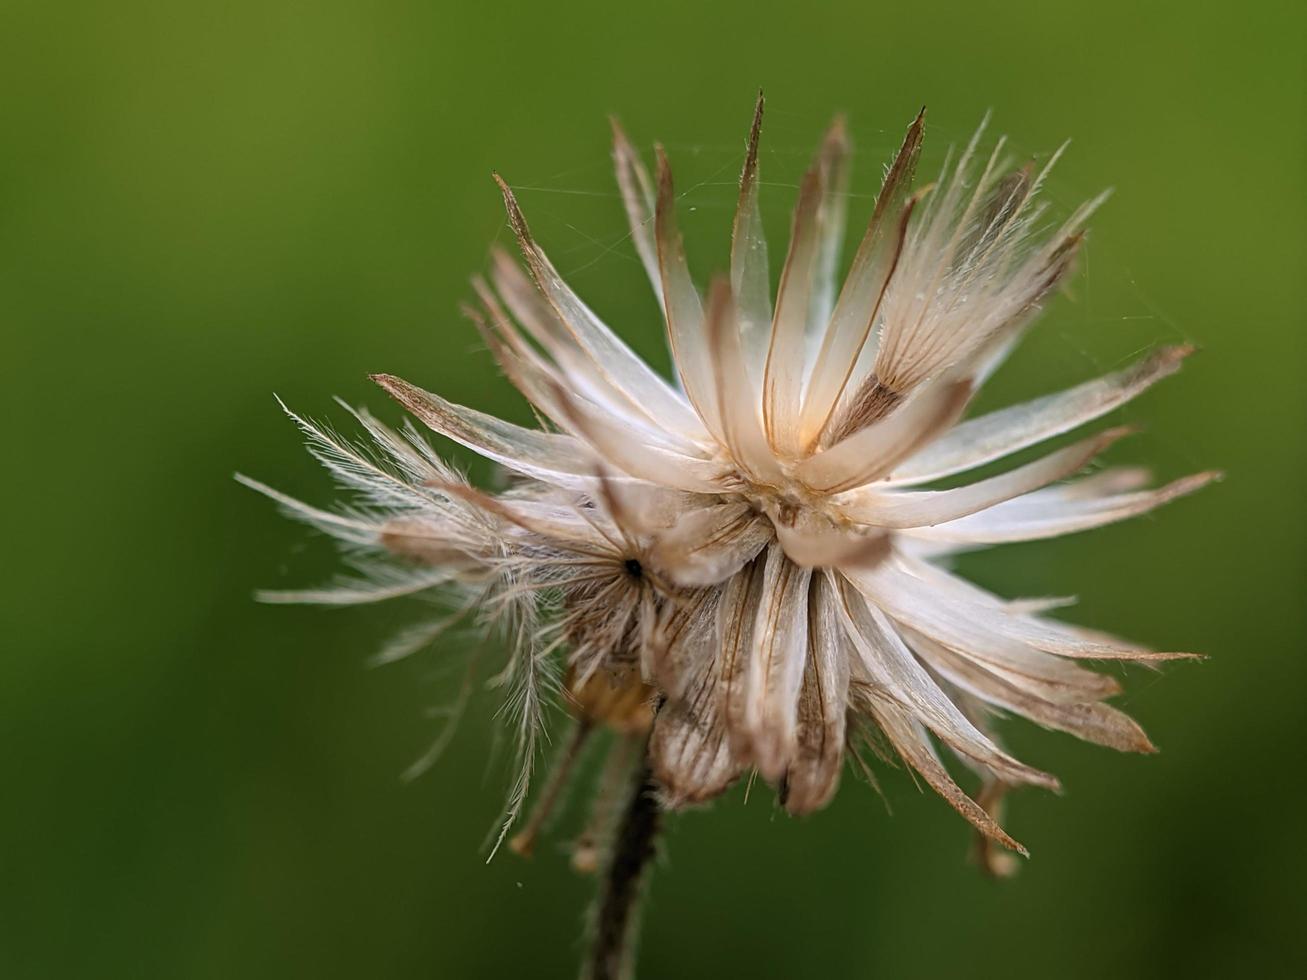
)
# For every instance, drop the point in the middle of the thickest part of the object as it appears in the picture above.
(814, 774)
(912, 745)
(523, 843)
(689, 751)
(995, 863)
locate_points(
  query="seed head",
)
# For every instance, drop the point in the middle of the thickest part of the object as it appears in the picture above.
(745, 562)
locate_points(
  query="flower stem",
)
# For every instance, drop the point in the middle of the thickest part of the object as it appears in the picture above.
(525, 842)
(615, 924)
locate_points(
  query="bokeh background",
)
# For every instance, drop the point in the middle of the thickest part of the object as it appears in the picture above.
(204, 203)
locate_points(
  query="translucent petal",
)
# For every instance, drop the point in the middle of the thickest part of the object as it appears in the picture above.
(855, 311)
(872, 452)
(925, 508)
(989, 437)
(559, 460)
(638, 198)
(620, 365)
(896, 672)
(1041, 515)
(750, 274)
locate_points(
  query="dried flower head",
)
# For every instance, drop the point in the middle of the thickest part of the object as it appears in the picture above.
(742, 565)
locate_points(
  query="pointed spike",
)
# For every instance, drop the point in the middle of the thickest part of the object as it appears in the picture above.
(750, 171)
(750, 267)
(637, 199)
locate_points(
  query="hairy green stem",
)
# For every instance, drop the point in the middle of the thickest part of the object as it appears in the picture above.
(611, 955)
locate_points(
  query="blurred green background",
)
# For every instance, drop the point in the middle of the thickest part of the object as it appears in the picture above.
(204, 203)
